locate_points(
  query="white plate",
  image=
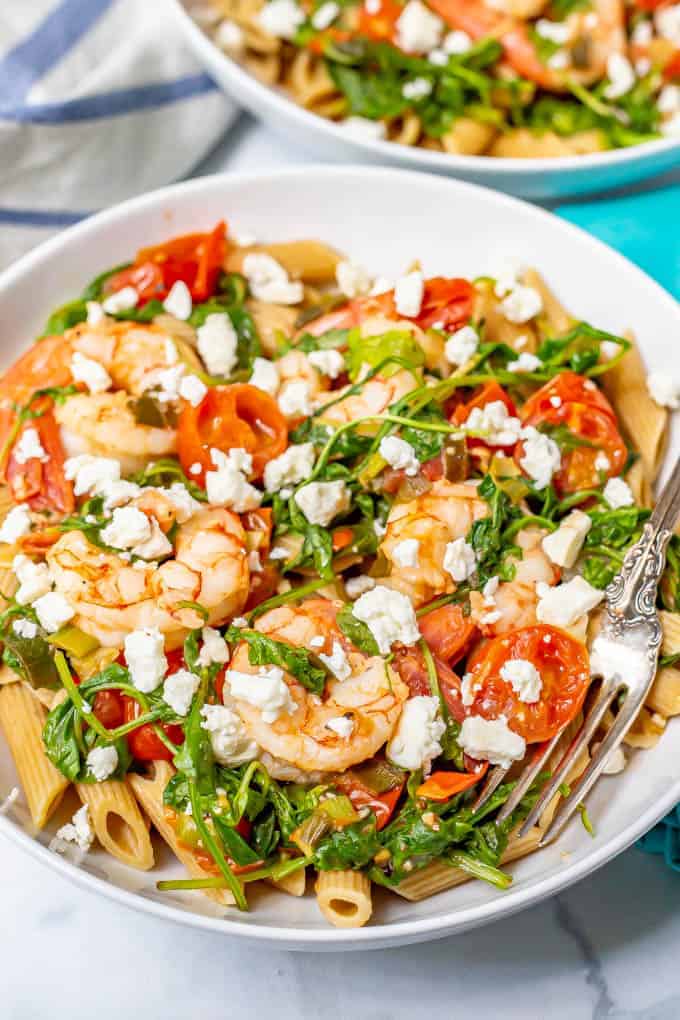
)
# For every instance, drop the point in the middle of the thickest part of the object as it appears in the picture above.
(385, 219)
(528, 178)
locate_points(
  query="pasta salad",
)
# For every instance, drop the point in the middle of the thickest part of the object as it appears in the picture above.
(290, 556)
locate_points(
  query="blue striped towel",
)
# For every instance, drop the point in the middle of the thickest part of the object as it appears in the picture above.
(99, 100)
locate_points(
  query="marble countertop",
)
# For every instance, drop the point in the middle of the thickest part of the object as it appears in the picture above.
(606, 949)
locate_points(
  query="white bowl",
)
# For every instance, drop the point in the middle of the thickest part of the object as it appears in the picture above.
(528, 178)
(384, 218)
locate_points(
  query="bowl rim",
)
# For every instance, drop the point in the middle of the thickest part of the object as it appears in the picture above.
(399, 932)
(248, 87)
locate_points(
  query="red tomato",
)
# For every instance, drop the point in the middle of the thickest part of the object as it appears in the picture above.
(145, 277)
(672, 68)
(585, 412)
(446, 301)
(109, 709)
(441, 786)
(448, 632)
(42, 483)
(234, 416)
(381, 25)
(383, 804)
(564, 667)
(410, 665)
(143, 743)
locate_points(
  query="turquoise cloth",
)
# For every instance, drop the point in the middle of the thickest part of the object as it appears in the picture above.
(646, 229)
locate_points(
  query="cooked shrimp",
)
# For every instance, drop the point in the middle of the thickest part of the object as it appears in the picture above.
(113, 597)
(446, 512)
(371, 696)
(516, 600)
(300, 382)
(103, 425)
(374, 398)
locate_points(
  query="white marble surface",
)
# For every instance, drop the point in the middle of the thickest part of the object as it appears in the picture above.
(606, 949)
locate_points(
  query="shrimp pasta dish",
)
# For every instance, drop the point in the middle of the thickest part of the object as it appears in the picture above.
(290, 556)
(508, 78)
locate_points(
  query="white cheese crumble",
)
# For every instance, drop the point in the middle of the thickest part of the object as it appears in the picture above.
(267, 278)
(408, 293)
(664, 389)
(295, 399)
(265, 376)
(192, 389)
(540, 458)
(461, 346)
(214, 648)
(325, 15)
(342, 725)
(363, 129)
(456, 42)
(337, 662)
(667, 22)
(621, 76)
(179, 689)
(525, 363)
(415, 742)
(399, 454)
(34, 579)
(320, 502)
(563, 546)
(228, 485)
(521, 304)
(78, 831)
(353, 280)
(29, 447)
(389, 616)
(90, 474)
(602, 462)
(280, 18)
(102, 762)
(356, 586)
(53, 611)
(123, 299)
(562, 605)
(178, 302)
(418, 29)
(145, 657)
(229, 738)
(405, 553)
(459, 559)
(95, 313)
(217, 344)
(494, 424)
(90, 372)
(16, 524)
(330, 363)
(416, 89)
(229, 37)
(265, 690)
(617, 493)
(25, 628)
(491, 740)
(129, 527)
(556, 31)
(524, 679)
(467, 690)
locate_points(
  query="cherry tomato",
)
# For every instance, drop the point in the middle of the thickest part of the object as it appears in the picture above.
(448, 632)
(233, 416)
(410, 665)
(143, 742)
(382, 804)
(565, 388)
(564, 668)
(441, 786)
(446, 301)
(381, 24)
(145, 277)
(109, 709)
(671, 70)
(41, 483)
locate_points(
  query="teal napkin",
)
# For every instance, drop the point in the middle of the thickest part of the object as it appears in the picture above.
(646, 229)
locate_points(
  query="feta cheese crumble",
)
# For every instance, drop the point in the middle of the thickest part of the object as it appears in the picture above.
(525, 363)
(34, 579)
(353, 280)
(214, 648)
(320, 502)
(145, 657)
(363, 129)
(667, 22)
(325, 15)
(265, 690)
(389, 615)
(123, 299)
(179, 689)
(178, 302)
(217, 344)
(28, 447)
(90, 372)
(494, 424)
(617, 493)
(418, 29)
(415, 742)
(295, 400)
(521, 304)
(192, 389)
(267, 278)
(408, 293)
(524, 679)
(459, 559)
(491, 740)
(265, 376)
(229, 738)
(95, 313)
(53, 611)
(129, 527)
(416, 89)
(337, 662)
(405, 553)
(16, 524)
(541, 456)
(342, 725)
(563, 546)
(229, 37)
(280, 18)
(664, 390)
(25, 628)
(461, 346)
(330, 363)
(564, 604)
(620, 74)
(102, 762)
(356, 586)
(399, 454)
(78, 831)
(228, 485)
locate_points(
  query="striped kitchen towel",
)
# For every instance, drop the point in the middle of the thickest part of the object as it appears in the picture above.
(99, 100)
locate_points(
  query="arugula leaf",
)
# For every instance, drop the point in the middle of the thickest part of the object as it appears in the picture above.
(356, 631)
(66, 317)
(265, 651)
(427, 445)
(372, 350)
(353, 846)
(31, 658)
(486, 535)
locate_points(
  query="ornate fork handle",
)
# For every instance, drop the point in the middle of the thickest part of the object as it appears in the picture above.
(631, 596)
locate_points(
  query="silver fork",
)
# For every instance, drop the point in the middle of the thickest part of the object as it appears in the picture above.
(624, 656)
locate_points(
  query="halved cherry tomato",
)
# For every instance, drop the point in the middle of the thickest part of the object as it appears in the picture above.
(410, 665)
(448, 301)
(143, 742)
(381, 24)
(672, 68)
(41, 483)
(448, 632)
(342, 537)
(585, 411)
(196, 259)
(564, 668)
(228, 417)
(109, 708)
(382, 804)
(441, 786)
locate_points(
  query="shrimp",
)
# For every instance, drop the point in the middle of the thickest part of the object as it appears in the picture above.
(446, 512)
(112, 597)
(372, 696)
(296, 373)
(516, 600)
(102, 424)
(373, 399)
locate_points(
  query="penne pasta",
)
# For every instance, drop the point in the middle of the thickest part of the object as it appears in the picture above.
(670, 625)
(344, 898)
(293, 884)
(664, 697)
(309, 261)
(557, 319)
(118, 822)
(22, 718)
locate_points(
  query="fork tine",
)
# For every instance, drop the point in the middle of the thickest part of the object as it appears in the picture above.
(578, 744)
(533, 768)
(493, 781)
(612, 740)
